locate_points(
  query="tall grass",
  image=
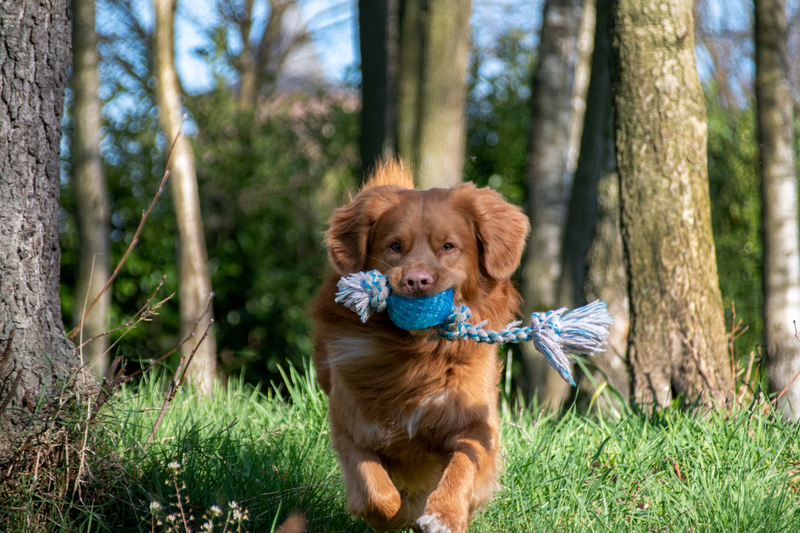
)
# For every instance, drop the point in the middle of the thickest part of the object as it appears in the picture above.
(269, 452)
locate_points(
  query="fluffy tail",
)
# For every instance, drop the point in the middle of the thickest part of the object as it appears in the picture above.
(391, 172)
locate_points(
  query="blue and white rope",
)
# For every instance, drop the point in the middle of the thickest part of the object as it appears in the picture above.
(554, 333)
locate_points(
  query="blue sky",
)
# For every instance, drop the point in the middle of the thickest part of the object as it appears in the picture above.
(333, 25)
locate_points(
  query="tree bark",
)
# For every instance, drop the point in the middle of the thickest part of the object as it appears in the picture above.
(409, 81)
(34, 61)
(379, 41)
(779, 193)
(678, 342)
(606, 278)
(268, 55)
(194, 283)
(592, 264)
(582, 211)
(441, 122)
(548, 176)
(91, 190)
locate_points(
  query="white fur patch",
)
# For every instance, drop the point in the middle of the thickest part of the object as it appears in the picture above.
(430, 523)
(413, 420)
(344, 350)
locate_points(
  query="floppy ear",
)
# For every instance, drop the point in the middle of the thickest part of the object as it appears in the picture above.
(348, 236)
(501, 228)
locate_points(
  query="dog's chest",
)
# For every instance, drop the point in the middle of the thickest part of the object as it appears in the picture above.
(394, 396)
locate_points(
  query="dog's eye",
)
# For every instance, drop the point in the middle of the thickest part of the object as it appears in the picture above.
(395, 247)
(447, 247)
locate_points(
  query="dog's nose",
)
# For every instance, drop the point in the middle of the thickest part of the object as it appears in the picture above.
(418, 281)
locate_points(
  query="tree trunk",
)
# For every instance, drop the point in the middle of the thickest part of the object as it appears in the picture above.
(549, 180)
(268, 54)
(34, 63)
(194, 283)
(441, 122)
(378, 37)
(592, 264)
(408, 78)
(779, 192)
(606, 278)
(582, 212)
(678, 342)
(91, 190)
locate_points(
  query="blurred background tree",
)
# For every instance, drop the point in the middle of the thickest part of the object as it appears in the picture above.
(278, 144)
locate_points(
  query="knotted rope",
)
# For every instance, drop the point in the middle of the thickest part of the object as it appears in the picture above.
(554, 334)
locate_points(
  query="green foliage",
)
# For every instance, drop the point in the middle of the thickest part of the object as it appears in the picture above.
(266, 191)
(735, 189)
(498, 113)
(134, 154)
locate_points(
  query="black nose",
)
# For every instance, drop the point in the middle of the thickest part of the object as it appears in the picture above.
(418, 281)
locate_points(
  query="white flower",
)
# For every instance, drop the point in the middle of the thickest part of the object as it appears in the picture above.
(174, 465)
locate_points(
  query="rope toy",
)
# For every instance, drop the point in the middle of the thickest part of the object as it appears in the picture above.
(554, 333)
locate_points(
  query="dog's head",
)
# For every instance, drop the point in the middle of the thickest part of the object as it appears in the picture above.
(428, 241)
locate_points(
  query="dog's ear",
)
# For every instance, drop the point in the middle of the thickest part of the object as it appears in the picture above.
(350, 226)
(501, 229)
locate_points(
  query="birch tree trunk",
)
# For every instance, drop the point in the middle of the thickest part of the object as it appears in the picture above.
(779, 193)
(548, 175)
(378, 29)
(91, 190)
(678, 341)
(194, 283)
(34, 63)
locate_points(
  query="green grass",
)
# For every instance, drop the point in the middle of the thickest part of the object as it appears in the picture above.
(675, 471)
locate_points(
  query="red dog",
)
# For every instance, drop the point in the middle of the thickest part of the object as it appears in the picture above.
(415, 421)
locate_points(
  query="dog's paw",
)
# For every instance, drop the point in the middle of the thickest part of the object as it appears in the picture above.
(431, 523)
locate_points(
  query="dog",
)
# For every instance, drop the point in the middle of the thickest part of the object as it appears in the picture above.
(414, 418)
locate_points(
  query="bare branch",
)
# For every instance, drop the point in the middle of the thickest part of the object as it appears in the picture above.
(135, 239)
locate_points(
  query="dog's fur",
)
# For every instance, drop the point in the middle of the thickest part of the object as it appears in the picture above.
(414, 419)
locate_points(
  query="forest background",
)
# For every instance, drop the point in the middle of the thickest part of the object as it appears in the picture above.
(269, 173)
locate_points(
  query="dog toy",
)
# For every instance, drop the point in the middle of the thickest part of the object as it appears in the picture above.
(555, 334)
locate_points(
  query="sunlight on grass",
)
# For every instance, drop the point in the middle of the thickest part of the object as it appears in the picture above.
(270, 452)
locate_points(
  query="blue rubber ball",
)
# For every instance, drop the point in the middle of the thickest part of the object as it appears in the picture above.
(422, 312)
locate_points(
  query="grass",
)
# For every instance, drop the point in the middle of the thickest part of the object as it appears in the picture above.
(270, 454)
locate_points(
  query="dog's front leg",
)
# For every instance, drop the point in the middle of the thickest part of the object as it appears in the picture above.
(467, 481)
(370, 492)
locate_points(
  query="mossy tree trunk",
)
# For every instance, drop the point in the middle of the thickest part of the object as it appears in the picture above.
(194, 282)
(413, 64)
(91, 190)
(779, 193)
(34, 63)
(441, 120)
(678, 342)
(549, 173)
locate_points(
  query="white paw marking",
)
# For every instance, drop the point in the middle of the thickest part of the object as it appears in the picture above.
(429, 523)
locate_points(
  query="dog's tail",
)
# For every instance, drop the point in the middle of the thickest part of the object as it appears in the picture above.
(392, 171)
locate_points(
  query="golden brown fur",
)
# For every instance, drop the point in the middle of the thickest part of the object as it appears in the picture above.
(415, 420)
